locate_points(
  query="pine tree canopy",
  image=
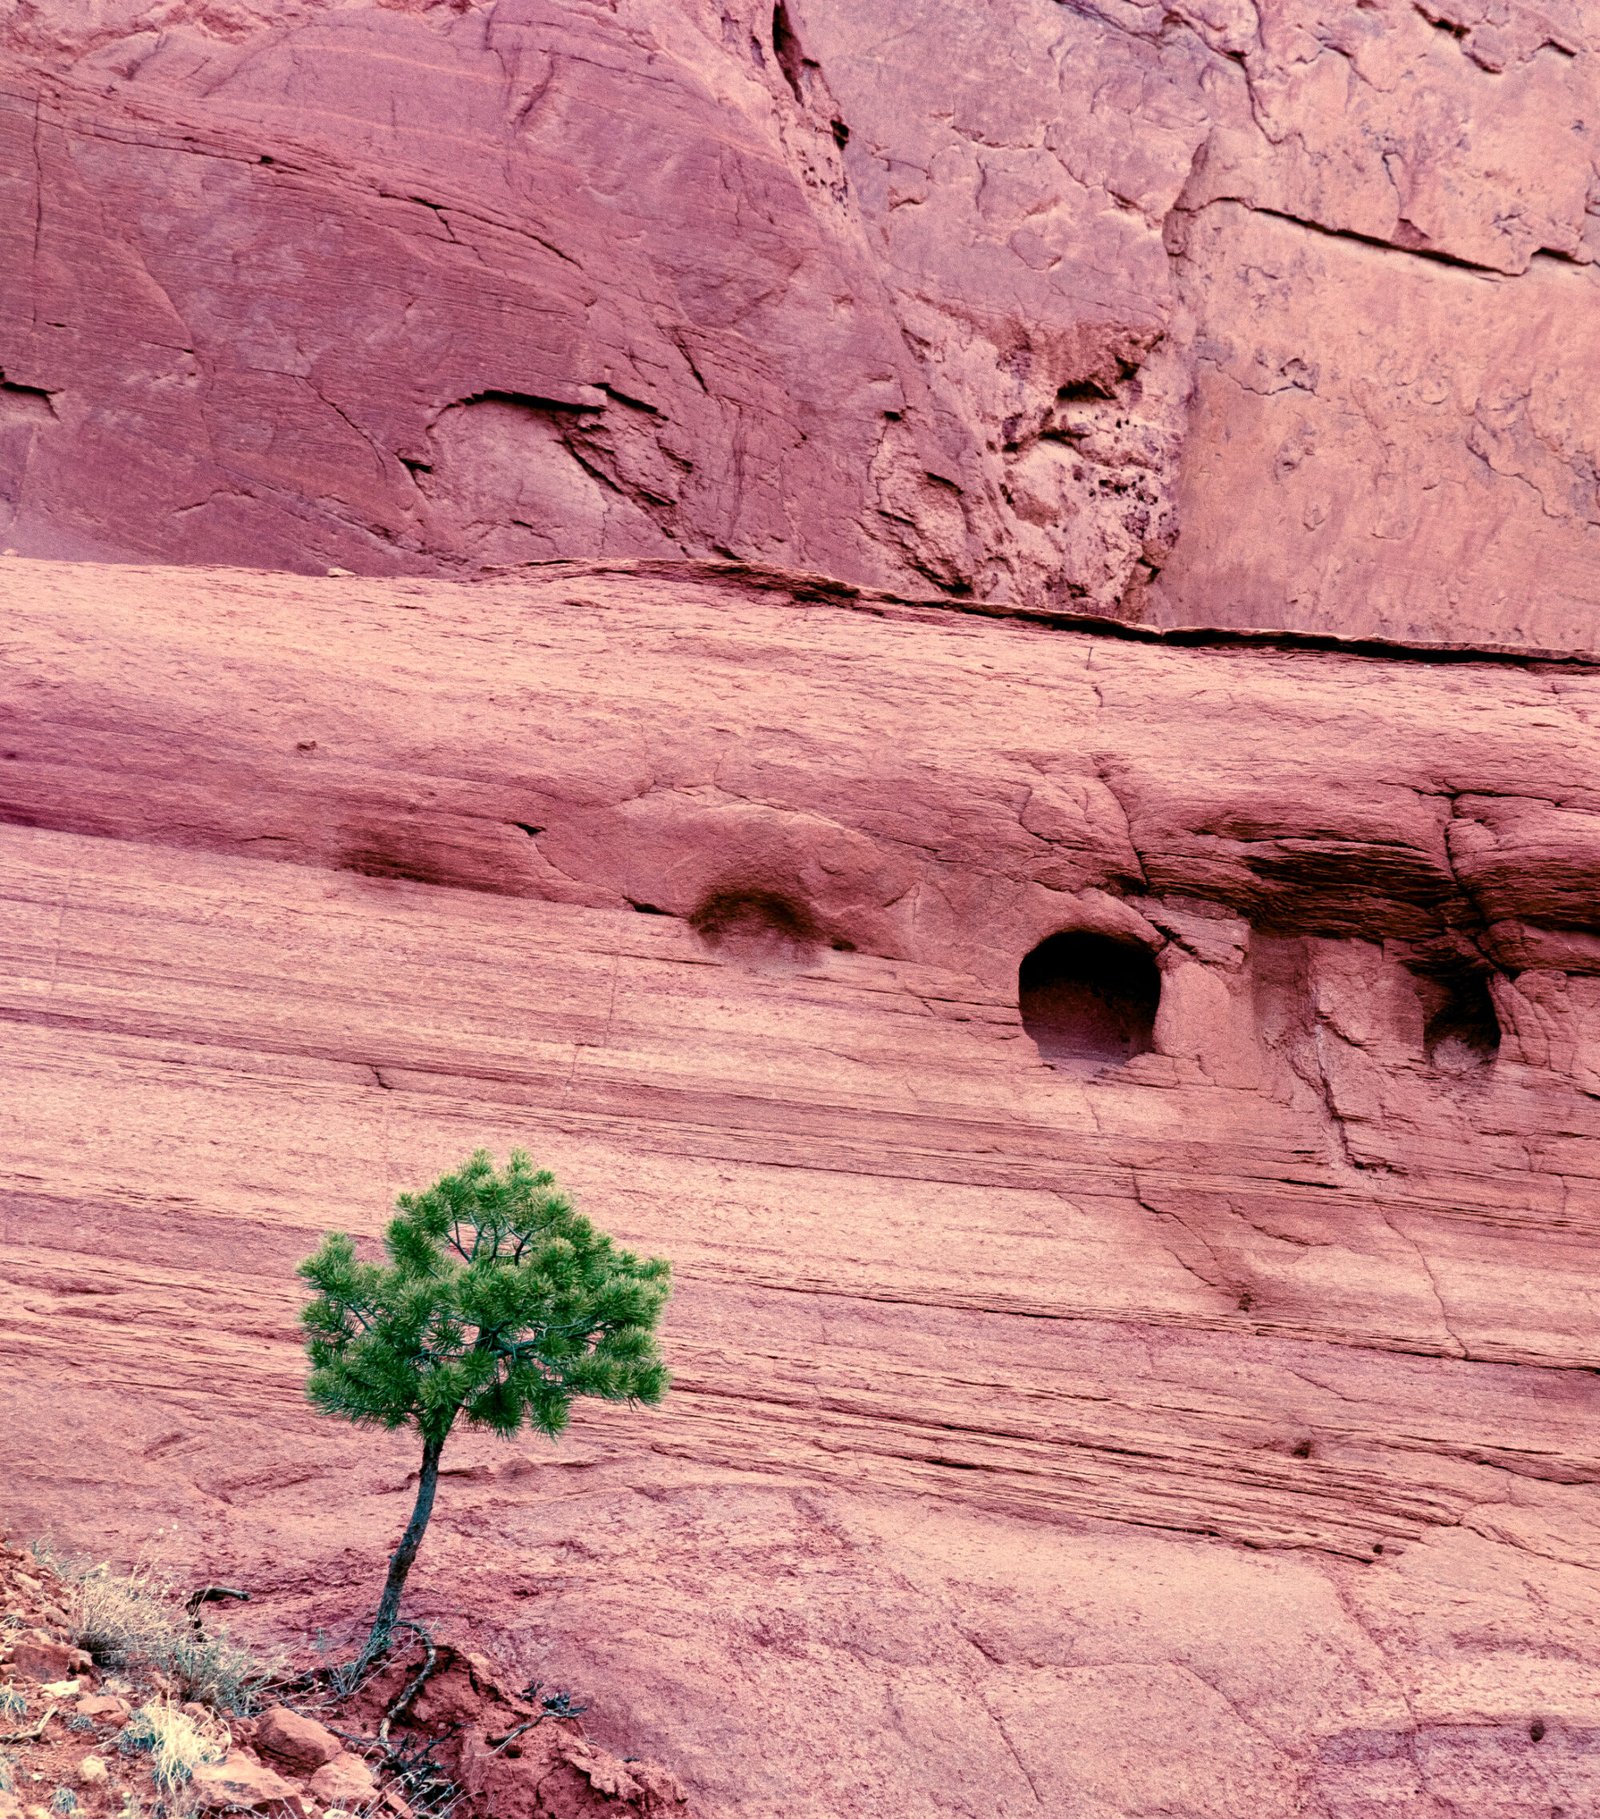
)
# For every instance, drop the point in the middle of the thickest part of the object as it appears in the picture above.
(498, 1305)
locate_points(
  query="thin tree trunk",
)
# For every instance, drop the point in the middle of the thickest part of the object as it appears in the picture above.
(404, 1554)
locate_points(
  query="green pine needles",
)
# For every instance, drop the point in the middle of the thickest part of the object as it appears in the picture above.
(498, 1305)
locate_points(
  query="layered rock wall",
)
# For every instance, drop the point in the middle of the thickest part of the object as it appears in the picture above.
(1270, 315)
(1027, 1418)
(1163, 1391)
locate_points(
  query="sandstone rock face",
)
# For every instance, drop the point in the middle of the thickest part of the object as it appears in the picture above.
(1205, 1431)
(1273, 315)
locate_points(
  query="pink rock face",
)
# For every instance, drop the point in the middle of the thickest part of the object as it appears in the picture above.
(1266, 316)
(1205, 1428)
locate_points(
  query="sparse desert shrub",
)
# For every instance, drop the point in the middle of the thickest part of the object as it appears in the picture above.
(500, 1303)
(13, 1702)
(177, 1742)
(124, 1619)
(63, 1800)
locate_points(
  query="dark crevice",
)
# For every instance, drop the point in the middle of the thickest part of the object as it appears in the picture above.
(1461, 1029)
(786, 48)
(1373, 240)
(528, 828)
(530, 401)
(1450, 27)
(34, 399)
(803, 588)
(1244, 638)
(633, 404)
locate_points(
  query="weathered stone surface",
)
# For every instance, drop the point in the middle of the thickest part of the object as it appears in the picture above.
(344, 1780)
(41, 1658)
(104, 1708)
(1209, 1434)
(240, 1781)
(1263, 315)
(295, 1742)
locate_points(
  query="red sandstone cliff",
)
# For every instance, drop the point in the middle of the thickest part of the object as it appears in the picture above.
(1206, 1429)
(1226, 313)
(1211, 1435)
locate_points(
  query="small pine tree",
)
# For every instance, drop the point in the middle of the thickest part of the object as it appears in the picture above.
(499, 1304)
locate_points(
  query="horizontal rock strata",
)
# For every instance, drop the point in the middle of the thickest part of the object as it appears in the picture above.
(1033, 1416)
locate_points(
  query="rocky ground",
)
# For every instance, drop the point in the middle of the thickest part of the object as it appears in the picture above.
(140, 1723)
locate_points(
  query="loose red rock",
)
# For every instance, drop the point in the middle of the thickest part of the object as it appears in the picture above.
(293, 1742)
(241, 1781)
(344, 1781)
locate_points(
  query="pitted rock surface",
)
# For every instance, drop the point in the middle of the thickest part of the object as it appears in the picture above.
(1205, 1433)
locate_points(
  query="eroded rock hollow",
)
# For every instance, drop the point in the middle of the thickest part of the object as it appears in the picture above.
(969, 699)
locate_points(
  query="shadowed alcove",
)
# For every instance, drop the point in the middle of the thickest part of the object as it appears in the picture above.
(1089, 998)
(1461, 1031)
(760, 928)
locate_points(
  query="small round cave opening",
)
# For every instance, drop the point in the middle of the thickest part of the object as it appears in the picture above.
(1089, 998)
(1461, 1032)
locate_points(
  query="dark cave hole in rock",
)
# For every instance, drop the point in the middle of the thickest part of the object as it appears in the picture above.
(1460, 1030)
(760, 928)
(1089, 998)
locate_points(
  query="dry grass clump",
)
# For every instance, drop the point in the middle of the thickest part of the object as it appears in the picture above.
(176, 1741)
(138, 1618)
